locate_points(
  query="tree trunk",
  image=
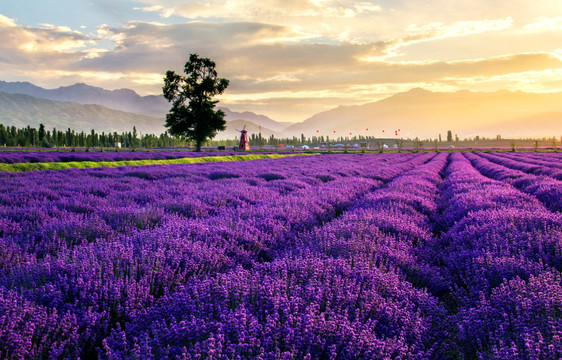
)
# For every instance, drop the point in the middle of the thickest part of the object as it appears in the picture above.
(198, 146)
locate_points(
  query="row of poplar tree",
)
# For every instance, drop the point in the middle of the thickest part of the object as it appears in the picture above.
(32, 137)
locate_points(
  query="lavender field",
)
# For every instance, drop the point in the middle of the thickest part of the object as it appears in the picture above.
(349, 256)
(14, 157)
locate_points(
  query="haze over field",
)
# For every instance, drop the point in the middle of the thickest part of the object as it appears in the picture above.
(417, 113)
(297, 60)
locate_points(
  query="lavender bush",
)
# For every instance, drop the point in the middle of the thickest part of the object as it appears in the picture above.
(544, 188)
(529, 166)
(12, 157)
(363, 256)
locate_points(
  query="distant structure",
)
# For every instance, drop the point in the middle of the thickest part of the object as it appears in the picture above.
(244, 143)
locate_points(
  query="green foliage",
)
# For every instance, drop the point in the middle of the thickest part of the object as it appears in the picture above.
(41, 133)
(192, 114)
(399, 144)
(418, 143)
(29, 137)
(20, 167)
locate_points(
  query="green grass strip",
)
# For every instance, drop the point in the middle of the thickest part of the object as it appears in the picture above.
(20, 167)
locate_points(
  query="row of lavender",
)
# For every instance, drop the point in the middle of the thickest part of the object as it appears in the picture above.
(465, 241)
(520, 174)
(360, 256)
(547, 165)
(84, 249)
(333, 291)
(552, 160)
(12, 157)
(501, 250)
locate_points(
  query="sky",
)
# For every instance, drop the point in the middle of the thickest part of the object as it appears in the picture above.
(288, 59)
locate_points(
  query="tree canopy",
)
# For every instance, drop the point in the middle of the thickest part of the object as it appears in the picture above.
(193, 113)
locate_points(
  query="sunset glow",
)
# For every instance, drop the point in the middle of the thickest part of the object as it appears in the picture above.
(288, 59)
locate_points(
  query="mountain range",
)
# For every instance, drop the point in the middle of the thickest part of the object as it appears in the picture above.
(22, 110)
(415, 113)
(82, 107)
(425, 114)
(123, 99)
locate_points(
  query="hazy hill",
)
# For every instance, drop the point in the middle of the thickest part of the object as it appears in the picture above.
(251, 127)
(23, 110)
(259, 120)
(427, 114)
(124, 100)
(417, 113)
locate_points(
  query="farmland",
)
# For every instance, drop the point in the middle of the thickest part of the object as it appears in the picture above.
(333, 256)
(83, 162)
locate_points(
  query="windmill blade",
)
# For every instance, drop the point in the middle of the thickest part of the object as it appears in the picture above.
(244, 128)
(237, 130)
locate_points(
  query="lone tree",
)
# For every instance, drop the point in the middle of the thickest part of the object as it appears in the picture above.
(193, 113)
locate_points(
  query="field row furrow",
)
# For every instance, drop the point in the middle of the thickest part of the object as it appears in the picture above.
(529, 168)
(549, 160)
(16, 157)
(546, 189)
(335, 256)
(99, 261)
(337, 290)
(498, 248)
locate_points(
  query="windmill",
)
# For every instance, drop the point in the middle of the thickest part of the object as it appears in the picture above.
(244, 144)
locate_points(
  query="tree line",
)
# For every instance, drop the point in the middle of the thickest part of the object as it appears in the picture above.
(11, 136)
(25, 137)
(33, 137)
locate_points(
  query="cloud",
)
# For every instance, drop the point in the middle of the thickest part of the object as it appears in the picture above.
(460, 28)
(291, 55)
(154, 8)
(323, 18)
(235, 45)
(260, 57)
(164, 12)
(6, 22)
(366, 21)
(416, 34)
(40, 47)
(255, 65)
(268, 9)
(545, 24)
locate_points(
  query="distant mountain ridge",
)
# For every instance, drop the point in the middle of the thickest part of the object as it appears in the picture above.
(24, 110)
(417, 113)
(125, 100)
(259, 120)
(251, 127)
(425, 114)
